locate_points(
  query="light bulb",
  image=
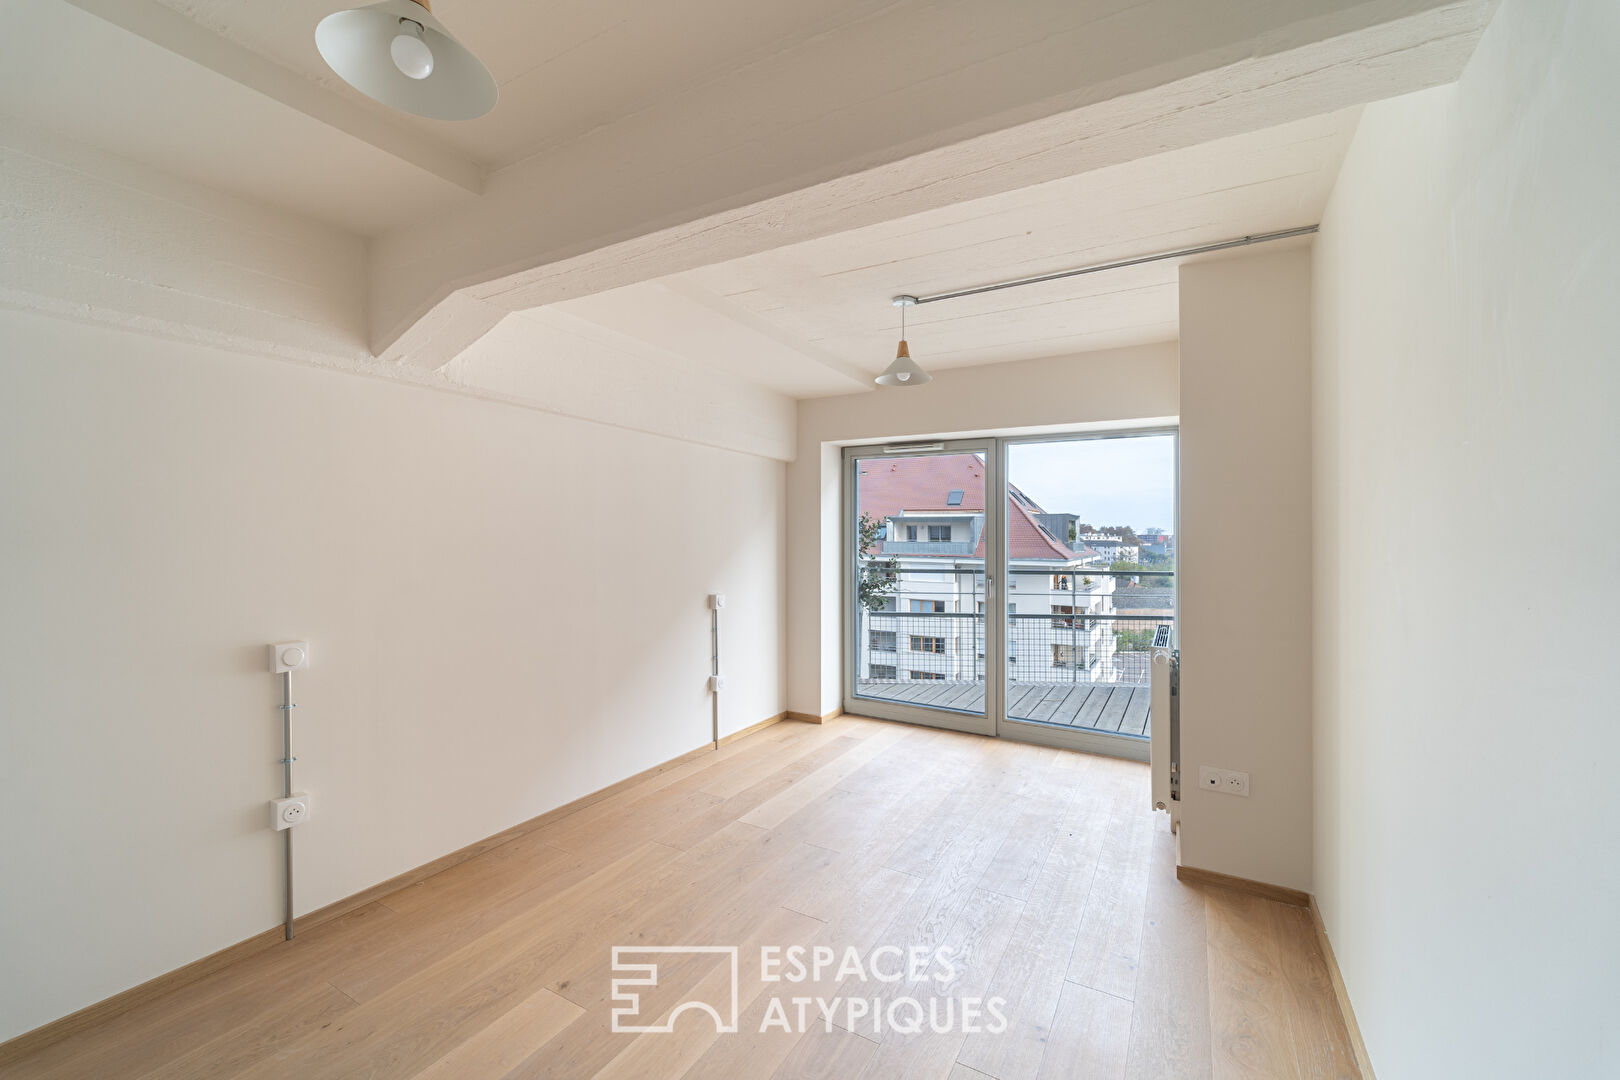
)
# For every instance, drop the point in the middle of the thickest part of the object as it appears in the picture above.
(411, 54)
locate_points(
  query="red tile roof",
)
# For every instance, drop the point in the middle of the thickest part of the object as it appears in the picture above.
(890, 486)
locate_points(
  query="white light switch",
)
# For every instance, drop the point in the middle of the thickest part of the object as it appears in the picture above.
(289, 656)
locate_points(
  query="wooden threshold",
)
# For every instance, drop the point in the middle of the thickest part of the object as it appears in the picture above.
(106, 1009)
(1280, 893)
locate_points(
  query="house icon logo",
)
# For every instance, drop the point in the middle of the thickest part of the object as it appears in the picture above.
(628, 975)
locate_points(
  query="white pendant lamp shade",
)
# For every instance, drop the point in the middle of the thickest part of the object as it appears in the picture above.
(904, 371)
(399, 54)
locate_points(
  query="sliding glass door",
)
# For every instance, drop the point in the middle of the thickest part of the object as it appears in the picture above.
(1090, 572)
(1011, 586)
(916, 535)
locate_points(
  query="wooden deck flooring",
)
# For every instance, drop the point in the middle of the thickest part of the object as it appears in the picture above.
(1111, 707)
(1044, 870)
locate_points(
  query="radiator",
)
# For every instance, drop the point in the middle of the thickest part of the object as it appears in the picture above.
(1164, 730)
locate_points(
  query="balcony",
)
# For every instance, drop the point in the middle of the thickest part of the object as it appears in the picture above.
(1107, 707)
(1087, 671)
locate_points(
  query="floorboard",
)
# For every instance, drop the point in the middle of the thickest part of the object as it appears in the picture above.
(1043, 871)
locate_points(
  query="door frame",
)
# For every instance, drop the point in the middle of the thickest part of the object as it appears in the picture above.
(882, 709)
(995, 721)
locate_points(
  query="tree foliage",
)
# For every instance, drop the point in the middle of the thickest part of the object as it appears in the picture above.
(877, 577)
(1152, 574)
(1133, 640)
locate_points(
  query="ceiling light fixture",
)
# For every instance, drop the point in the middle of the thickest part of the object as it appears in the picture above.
(397, 53)
(904, 371)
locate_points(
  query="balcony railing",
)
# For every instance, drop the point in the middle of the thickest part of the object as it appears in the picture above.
(1078, 660)
(1111, 648)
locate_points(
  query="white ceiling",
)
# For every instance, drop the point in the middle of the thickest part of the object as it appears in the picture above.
(814, 318)
(564, 67)
(231, 94)
(72, 73)
(759, 177)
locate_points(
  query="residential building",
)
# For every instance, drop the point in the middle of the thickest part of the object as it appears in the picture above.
(933, 624)
(1157, 544)
(1112, 548)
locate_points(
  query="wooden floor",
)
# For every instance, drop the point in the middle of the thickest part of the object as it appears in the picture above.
(1100, 706)
(1043, 870)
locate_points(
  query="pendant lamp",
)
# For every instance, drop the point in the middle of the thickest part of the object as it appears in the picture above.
(904, 371)
(399, 54)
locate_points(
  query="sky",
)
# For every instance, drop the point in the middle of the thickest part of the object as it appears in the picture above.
(1123, 481)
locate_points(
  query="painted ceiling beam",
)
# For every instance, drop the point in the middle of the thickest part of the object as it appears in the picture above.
(753, 161)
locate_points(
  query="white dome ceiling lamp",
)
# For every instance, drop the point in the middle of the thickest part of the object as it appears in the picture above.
(904, 371)
(397, 53)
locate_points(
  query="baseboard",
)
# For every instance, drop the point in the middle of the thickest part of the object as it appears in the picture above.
(29, 1042)
(812, 718)
(751, 728)
(1279, 893)
(1357, 1046)
(20, 1046)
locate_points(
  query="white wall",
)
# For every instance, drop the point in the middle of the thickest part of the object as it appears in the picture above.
(1109, 387)
(1467, 852)
(1245, 558)
(170, 508)
(98, 238)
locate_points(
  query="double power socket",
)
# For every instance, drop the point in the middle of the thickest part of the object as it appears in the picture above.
(1227, 781)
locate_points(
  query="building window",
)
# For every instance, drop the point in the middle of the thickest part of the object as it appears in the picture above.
(883, 639)
(924, 643)
(1073, 617)
(925, 675)
(883, 671)
(935, 607)
(939, 534)
(1067, 657)
(911, 532)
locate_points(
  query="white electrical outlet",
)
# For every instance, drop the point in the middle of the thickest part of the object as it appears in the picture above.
(293, 810)
(1227, 781)
(717, 682)
(717, 600)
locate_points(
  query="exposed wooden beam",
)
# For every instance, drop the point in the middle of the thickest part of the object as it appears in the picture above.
(622, 206)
